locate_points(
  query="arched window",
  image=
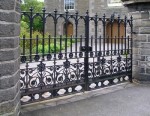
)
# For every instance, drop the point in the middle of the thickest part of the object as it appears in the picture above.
(69, 4)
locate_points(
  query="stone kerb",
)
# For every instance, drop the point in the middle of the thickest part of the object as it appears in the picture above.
(9, 57)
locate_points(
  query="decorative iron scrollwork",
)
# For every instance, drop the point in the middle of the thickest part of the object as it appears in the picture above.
(49, 57)
(71, 55)
(23, 59)
(80, 54)
(41, 67)
(67, 64)
(60, 55)
(36, 58)
(103, 60)
(119, 59)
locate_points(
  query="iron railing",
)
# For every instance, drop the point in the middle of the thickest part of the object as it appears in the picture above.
(85, 63)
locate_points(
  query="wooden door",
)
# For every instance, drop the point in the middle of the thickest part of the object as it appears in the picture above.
(114, 31)
(69, 29)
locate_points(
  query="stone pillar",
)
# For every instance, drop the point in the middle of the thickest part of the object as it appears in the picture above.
(140, 10)
(9, 57)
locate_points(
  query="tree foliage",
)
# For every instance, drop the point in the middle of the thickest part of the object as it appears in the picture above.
(37, 6)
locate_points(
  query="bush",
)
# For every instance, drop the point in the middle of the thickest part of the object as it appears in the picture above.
(52, 48)
(46, 49)
(25, 32)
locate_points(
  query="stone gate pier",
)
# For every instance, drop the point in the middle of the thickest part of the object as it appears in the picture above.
(9, 57)
(140, 10)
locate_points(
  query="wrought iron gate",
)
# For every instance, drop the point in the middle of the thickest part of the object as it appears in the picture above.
(53, 66)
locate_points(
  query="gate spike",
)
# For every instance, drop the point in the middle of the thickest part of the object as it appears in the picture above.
(43, 9)
(87, 12)
(31, 8)
(55, 10)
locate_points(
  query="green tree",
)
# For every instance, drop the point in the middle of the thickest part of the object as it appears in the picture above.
(37, 6)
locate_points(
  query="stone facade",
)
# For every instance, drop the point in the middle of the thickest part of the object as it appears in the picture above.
(93, 6)
(9, 57)
(50, 5)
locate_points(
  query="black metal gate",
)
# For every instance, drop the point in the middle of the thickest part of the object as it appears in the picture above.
(53, 66)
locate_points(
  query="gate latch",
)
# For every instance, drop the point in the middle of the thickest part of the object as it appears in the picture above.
(83, 48)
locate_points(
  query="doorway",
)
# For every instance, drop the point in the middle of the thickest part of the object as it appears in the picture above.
(69, 29)
(114, 31)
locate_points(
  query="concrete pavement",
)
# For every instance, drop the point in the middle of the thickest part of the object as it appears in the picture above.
(130, 101)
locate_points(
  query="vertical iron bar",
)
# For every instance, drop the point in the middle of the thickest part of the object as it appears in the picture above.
(86, 59)
(104, 37)
(55, 32)
(115, 45)
(91, 40)
(76, 33)
(30, 50)
(26, 77)
(131, 20)
(41, 74)
(112, 21)
(80, 40)
(96, 23)
(37, 43)
(71, 43)
(43, 49)
(126, 53)
(66, 32)
(31, 26)
(104, 33)
(128, 45)
(99, 49)
(80, 53)
(49, 44)
(100, 44)
(125, 27)
(119, 21)
(119, 34)
(23, 47)
(128, 39)
(43, 34)
(95, 47)
(107, 38)
(122, 45)
(60, 43)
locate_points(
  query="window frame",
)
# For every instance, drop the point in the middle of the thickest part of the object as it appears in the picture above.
(111, 3)
(69, 5)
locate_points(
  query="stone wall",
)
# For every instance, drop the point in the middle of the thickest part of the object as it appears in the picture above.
(9, 57)
(141, 41)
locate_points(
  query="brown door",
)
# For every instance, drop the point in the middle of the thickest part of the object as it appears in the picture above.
(70, 30)
(114, 31)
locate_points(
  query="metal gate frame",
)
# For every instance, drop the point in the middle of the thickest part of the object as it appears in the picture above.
(104, 63)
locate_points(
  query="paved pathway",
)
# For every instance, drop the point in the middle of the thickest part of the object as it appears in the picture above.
(132, 101)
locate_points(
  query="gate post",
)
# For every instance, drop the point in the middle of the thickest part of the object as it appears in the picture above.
(86, 59)
(9, 58)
